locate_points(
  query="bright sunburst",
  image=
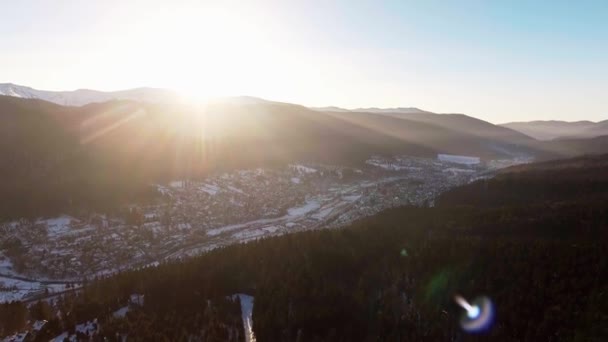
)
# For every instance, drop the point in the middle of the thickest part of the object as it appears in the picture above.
(206, 51)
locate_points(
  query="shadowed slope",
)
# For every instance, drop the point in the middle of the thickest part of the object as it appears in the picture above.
(104, 153)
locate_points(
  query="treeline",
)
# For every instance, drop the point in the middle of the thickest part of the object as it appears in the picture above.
(215, 320)
(570, 180)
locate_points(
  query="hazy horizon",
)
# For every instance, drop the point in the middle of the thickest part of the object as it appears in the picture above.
(313, 107)
(497, 62)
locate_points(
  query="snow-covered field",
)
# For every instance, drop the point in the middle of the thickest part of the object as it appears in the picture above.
(85, 328)
(14, 289)
(217, 231)
(304, 209)
(58, 225)
(387, 166)
(255, 233)
(6, 265)
(302, 168)
(121, 313)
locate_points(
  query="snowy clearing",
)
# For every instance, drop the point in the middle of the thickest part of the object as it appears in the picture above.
(121, 313)
(247, 312)
(58, 225)
(302, 168)
(306, 208)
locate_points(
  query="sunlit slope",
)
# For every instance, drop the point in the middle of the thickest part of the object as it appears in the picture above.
(101, 153)
(571, 147)
(456, 134)
(197, 139)
(549, 130)
(469, 125)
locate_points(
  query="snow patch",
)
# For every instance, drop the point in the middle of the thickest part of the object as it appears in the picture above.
(457, 170)
(121, 313)
(87, 328)
(303, 210)
(386, 166)
(58, 225)
(217, 231)
(19, 337)
(137, 299)
(236, 189)
(323, 213)
(351, 198)
(247, 313)
(210, 189)
(302, 168)
(466, 160)
(177, 184)
(249, 234)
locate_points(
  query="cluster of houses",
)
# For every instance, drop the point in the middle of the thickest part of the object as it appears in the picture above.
(315, 196)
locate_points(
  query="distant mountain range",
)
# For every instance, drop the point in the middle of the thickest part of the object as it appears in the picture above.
(541, 130)
(549, 130)
(372, 110)
(104, 151)
(82, 97)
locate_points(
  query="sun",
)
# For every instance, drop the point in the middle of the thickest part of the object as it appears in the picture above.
(204, 50)
(211, 51)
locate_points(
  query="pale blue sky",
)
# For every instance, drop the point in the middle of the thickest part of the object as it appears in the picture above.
(496, 60)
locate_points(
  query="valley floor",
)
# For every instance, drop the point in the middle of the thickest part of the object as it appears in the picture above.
(194, 216)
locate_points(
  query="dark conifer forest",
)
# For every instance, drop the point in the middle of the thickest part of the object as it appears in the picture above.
(533, 239)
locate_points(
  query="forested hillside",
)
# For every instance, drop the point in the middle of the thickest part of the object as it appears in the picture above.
(537, 250)
(96, 157)
(578, 181)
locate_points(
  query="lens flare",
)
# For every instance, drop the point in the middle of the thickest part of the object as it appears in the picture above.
(478, 316)
(473, 312)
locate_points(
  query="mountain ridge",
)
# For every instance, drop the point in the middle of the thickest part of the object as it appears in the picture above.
(558, 129)
(80, 97)
(100, 153)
